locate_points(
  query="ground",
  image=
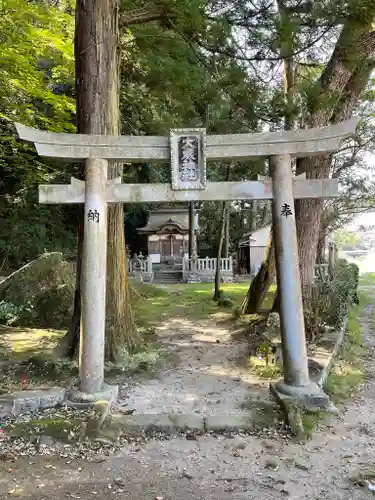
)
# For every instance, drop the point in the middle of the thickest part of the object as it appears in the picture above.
(265, 465)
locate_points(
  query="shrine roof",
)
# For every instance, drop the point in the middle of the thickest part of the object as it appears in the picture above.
(155, 226)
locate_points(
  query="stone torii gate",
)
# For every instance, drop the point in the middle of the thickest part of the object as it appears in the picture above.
(187, 151)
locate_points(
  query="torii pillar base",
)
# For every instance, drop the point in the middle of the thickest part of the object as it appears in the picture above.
(292, 400)
(107, 393)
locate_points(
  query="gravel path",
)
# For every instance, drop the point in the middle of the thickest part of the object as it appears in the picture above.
(207, 377)
(216, 468)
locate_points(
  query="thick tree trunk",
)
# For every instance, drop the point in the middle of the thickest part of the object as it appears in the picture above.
(217, 293)
(98, 112)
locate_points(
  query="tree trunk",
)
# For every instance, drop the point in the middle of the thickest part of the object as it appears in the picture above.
(320, 254)
(266, 214)
(217, 293)
(191, 228)
(98, 112)
(72, 337)
(253, 216)
(337, 92)
(226, 236)
(225, 208)
(261, 283)
(259, 286)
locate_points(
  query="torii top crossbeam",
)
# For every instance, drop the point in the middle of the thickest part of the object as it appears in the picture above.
(298, 143)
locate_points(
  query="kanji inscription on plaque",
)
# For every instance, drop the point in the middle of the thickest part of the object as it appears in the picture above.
(188, 163)
(188, 150)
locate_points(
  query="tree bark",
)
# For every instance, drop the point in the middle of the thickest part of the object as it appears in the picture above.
(253, 216)
(98, 112)
(225, 207)
(266, 214)
(320, 254)
(227, 233)
(217, 293)
(147, 14)
(191, 228)
(72, 337)
(259, 286)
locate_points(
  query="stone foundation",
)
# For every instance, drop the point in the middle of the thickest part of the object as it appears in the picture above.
(30, 401)
(206, 277)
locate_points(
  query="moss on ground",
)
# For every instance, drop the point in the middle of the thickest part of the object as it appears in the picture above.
(57, 428)
(188, 301)
(264, 414)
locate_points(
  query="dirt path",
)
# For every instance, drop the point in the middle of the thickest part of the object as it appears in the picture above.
(216, 468)
(207, 377)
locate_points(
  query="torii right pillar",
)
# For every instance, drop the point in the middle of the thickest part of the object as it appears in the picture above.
(296, 382)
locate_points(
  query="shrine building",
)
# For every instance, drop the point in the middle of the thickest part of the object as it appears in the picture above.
(167, 232)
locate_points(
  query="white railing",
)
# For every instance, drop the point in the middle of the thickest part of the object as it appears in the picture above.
(140, 267)
(207, 265)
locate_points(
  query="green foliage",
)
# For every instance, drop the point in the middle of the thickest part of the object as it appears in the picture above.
(52, 307)
(346, 240)
(36, 89)
(42, 292)
(317, 302)
(343, 290)
(36, 59)
(136, 363)
(327, 303)
(9, 313)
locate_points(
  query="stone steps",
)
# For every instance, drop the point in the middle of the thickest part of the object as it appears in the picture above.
(167, 277)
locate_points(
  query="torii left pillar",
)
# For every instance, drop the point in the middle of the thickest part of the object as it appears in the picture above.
(94, 277)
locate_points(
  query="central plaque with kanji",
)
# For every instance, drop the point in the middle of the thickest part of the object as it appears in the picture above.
(188, 161)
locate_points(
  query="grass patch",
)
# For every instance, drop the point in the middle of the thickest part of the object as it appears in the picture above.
(367, 279)
(145, 290)
(363, 477)
(311, 421)
(25, 342)
(27, 355)
(189, 302)
(30, 351)
(348, 372)
(260, 367)
(140, 362)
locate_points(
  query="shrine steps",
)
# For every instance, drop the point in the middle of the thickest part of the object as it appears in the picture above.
(167, 275)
